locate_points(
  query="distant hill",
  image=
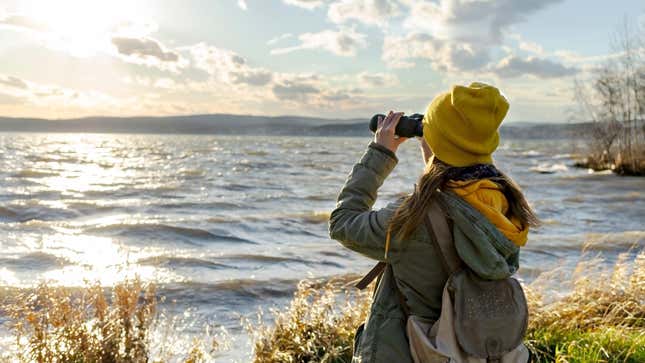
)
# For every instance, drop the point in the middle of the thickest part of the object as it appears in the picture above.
(248, 125)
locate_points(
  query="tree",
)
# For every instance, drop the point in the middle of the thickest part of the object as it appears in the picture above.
(614, 100)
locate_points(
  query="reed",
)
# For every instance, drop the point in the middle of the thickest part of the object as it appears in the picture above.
(601, 320)
(90, 324)
(318, 325)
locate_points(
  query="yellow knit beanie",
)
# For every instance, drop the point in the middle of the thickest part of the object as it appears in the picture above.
(460, 126)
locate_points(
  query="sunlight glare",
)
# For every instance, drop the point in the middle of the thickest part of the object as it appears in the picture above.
(83, 27)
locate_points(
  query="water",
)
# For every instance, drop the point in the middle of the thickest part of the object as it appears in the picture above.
(228, 224)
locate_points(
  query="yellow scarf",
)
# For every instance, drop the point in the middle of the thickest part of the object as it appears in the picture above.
(487, 197)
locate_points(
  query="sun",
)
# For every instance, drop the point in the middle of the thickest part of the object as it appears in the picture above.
(82, 27)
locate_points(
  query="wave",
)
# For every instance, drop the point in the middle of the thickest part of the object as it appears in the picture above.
(238, 187)
(315, 217)
(233, 261)
(234, 293)
(8, 214)
(30, 173)
(243, 289)
(206, 205)
(610, 242)
(319, 197)
(26, 213)
(53, 159)
(311, 217)
(38, 260)
(174, 262)
(547, 168)
(164, 231)
(261, 258)
(531, 153)
(255, 152)
(191, 172)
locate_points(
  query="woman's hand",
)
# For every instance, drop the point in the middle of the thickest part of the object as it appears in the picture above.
(385, 135)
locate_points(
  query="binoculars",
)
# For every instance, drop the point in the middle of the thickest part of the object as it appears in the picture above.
(408, 126)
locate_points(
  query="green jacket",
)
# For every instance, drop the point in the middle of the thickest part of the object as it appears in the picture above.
(416, 266)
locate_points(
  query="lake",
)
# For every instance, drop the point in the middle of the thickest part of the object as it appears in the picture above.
(228, 224)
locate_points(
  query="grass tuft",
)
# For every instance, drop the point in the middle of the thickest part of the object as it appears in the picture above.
(58, 325)
(318, 326)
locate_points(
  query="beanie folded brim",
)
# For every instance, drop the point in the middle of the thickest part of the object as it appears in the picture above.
(449, 152)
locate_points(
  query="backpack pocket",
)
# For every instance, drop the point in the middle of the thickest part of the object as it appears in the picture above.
(491, 316)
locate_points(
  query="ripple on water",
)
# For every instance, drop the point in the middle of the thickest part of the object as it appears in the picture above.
(32, 173)
(178, 262)
(165, 232)
(37, 260)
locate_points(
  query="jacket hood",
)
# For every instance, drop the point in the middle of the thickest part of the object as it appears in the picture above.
(487, 197)
(479, 243)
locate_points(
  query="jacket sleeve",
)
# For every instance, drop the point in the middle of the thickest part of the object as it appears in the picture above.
(353, 223)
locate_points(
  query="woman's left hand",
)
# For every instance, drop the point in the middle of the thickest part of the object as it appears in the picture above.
(385, 132)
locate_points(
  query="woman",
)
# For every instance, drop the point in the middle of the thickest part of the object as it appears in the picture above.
(459, 137)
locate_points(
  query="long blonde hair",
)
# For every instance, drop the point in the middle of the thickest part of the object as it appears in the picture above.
(409, 215)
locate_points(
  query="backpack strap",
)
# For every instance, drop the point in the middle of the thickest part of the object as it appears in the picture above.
(437, 227)
(436, 224)
(375, 272)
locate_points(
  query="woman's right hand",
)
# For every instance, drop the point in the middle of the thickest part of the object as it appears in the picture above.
(385, 132)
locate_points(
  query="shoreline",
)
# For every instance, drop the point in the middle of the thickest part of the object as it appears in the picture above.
(602, 309)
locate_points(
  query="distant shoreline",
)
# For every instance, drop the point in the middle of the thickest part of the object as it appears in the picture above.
(225, 124)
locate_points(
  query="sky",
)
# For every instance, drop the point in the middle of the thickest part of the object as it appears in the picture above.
(323, 58)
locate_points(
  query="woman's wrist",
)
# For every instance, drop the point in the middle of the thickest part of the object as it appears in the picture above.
(383, 149)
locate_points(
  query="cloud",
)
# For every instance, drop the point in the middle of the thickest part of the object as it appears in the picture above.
(293, 90)
(305, 4)
(252, 77)
(403, 52)
(375, 80)
(134, 28)
(148, 51)
(227, 66)
(459, 36)
(22, 22)
(34, 94)
(308, 92)
(279, 38)
(372, 12)
(343, 42)
(513, 66)
(482, 21)
(6, 99)
(242, 4)
(14, 82)
(336, 96)
(144, 48)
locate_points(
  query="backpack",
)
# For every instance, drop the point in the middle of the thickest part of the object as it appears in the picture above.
(481, 321)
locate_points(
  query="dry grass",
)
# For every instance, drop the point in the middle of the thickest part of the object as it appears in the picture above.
(318, 326)
(601, 320)
(58, 324)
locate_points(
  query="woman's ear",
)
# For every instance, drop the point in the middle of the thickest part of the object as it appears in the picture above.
(425, 151)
